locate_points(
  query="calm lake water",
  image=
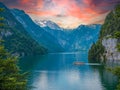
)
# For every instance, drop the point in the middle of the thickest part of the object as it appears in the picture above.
(56, 71)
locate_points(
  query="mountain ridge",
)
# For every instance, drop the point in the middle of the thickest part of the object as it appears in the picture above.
(17, 40)
(47, 23)
(57, 39)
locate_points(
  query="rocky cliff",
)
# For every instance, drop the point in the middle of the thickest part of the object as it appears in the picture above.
(111, 52)
(107, 48)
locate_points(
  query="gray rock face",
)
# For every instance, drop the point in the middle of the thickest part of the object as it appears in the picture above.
(111, 52)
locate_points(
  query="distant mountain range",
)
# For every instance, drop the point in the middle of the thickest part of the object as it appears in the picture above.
(57, 39)
(53, 37)
(79, 38)
(47, 23)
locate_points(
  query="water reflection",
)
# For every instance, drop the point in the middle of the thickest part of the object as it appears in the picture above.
(41, 82)
(73, 80)
(57, 72)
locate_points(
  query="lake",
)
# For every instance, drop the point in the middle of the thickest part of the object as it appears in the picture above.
(55, 71)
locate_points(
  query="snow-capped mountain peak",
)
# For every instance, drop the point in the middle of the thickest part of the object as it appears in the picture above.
(47, 23)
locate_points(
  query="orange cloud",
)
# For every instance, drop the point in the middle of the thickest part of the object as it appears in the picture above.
(24, 1)
(46, 13)
(84, 10)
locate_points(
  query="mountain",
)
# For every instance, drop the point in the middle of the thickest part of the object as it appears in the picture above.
(37, 32)
(16, 39)
(56, 39)
(57, 32)
(107, 48)
(82, 37)
(47, 23)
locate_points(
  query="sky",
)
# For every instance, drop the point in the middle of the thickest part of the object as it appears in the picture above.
(66, 13)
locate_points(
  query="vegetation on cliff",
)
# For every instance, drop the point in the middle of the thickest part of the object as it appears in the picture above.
(116, 71)
(111, 28)
(96, 51)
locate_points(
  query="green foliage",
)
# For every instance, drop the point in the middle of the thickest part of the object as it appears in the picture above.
(10, 77)
(118, 47)
(117, 34)
(2, 9)
(116, 71)
(95, 52)
(117, 9)
(111, 28)
(2, 18)
(111, 24)
(118, 86)
(2, 25)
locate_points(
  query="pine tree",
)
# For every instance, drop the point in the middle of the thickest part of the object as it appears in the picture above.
(10, 76)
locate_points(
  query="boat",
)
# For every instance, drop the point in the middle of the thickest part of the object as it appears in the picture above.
(78, 63)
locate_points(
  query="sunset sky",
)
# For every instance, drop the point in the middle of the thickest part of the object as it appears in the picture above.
(66, 13)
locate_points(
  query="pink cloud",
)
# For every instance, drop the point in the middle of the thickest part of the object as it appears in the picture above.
(85, 10)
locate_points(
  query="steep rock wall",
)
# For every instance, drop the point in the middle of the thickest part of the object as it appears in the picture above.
(111, 53)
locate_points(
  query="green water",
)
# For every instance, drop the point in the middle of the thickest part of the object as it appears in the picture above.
(56, 71)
